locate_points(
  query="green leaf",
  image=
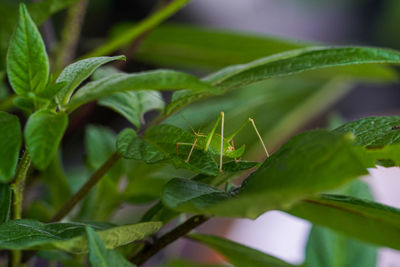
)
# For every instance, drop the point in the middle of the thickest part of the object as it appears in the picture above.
(5, 202)
(365, 220)
(43, 133)
(328, 248)
(373, 131)
(149, 80)
(27, 62)
(99, 256)
(188, 195)
(24, 103)
(130, 146)
(184, 263)
(74, 74)
(238, 254)
(144, 26)
(52, 90)
(70, 237)
(10, 143)
(297, 61)
(133, 105)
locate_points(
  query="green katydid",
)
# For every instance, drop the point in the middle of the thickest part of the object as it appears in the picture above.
(223, 146)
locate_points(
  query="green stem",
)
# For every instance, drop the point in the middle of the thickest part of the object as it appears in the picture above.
(17, 188)
(148, 251)
(142, 27)
(84, 190)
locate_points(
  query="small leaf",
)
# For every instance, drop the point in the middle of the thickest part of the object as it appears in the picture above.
(74, 74)
(149, 80)
(10, 144)
(70, 237)
(52, 90)
(43, 133)
(365, 220)
(27, 62)
(133, 105)
(130, 146)
(99, 256)
(238, 254)
(5, 202)
(24, 103)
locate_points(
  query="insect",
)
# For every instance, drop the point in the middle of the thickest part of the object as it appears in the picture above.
(220, 146)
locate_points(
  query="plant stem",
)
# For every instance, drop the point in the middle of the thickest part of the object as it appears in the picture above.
(17, 188)
(70, 34)
(84, 190)
(148, 251)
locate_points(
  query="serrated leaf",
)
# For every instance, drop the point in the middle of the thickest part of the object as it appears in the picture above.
(5, 202)
(10, 144)
(43, 133)
(373, 131)
(238, 254)
(27, 62)
(77, 72)
(329, 249)
(100, 256)
(133, 105)
(70, 237)
(149, 80)
(365, 220)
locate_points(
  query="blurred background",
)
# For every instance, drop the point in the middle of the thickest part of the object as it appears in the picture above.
(281, 107)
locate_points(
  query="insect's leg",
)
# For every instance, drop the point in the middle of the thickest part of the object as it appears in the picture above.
(259, 136)
(212, 132)
(191, 151)
(180, 143)
(233, 145)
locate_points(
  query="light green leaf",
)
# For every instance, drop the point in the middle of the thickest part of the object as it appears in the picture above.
(297, 61)
(99, 256)
(373, 131)
(329, 249)
(365, 220)
(43, 133)
(149, 80)
(74, 74)
(70, 237)
(238, 254)
(5, 202)
(10, 144)
(133, 105)
(27, 62)
(134, 32)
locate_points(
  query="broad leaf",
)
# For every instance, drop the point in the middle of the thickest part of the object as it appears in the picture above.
(74, 74)
(5, 202)
(238, 254)
(43, 133)
(99, 256)
(70, 237)
(27, 62)
(329, 249)
(149, 80)
(10, 144)
(133, 105)
(365, 220)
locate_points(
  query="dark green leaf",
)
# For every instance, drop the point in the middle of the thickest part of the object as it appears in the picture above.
(74, 74)
(43, 133)
(70, 237)
(296, 61)
(373, 131)
(10, 144)
(99, 256)
(328, 248)
(362, 219)
(24, 103)
(5, 202)
(133, 105)
(238, 254)
(27, 62)
(150, 80)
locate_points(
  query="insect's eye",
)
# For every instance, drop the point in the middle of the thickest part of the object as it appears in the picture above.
(230, 148)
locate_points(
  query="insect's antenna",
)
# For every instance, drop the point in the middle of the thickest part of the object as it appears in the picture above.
(259, 136)
(187, 123)
(222, 141)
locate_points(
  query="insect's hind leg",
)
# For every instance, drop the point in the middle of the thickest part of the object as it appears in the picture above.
(259, 136)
